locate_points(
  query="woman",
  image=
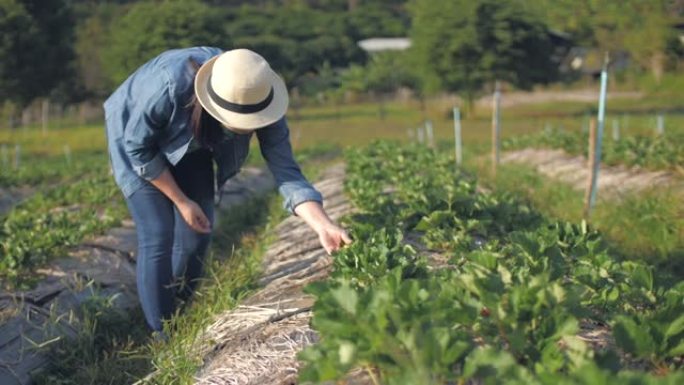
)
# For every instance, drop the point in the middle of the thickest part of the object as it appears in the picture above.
(167, 125)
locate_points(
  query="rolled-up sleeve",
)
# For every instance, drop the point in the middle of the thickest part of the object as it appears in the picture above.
(141, 134)
(274, 142)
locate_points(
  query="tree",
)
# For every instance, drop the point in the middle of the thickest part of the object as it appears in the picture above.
(644, 29)
(384, 74)
(296, 40)
(92, 33)
(150, 28)
(463, 45)
(35, 49)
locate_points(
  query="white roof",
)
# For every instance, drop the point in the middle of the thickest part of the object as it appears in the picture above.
(377, 44)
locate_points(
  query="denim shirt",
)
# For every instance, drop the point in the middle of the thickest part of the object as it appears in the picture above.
(148, 128)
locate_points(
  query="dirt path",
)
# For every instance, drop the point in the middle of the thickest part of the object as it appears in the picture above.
(257, 342)
(573, 170)
(516, 98)
(101, 266)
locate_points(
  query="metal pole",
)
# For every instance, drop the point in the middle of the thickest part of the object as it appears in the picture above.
(599, 134)
(496, 130)
(457, 136)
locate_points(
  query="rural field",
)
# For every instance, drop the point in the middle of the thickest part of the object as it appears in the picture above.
(511, 174)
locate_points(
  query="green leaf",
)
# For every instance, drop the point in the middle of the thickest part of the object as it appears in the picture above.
(632, 337)
(346, 297)
(676, 327)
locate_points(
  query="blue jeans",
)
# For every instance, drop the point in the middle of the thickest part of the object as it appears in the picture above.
(171, 254)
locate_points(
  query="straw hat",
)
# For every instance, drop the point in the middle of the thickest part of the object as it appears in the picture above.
(240, 90)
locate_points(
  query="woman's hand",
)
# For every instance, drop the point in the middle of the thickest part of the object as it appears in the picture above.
(332, 236)
(189, 210)
(194, 216)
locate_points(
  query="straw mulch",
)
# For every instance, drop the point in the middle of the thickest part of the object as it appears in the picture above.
(257, 342)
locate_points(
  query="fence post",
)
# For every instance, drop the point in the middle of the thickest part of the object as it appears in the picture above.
(17, 156)
(297, 135)
(457, 136)
(496, 130)
(660, 124)
(596, 143)
(45, 114)
(429, 133)
(591, 181)
(67, 154)
(616, 130)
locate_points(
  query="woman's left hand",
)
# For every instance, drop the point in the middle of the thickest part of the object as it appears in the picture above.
(333, 237)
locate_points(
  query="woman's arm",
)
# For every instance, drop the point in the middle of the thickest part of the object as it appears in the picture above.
(331, 236)
(300, 197)
(189, 210)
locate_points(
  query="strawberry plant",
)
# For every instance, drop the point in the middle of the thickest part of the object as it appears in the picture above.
(508, 306)
(43, 226)
(660, 152)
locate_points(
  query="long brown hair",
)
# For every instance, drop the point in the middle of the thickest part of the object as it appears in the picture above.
(206, 130)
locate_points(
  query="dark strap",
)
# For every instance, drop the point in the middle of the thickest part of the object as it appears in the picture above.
(239, 108)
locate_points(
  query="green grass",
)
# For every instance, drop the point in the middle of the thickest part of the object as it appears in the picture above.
(358, 124)
(34, 142)
(108, 349)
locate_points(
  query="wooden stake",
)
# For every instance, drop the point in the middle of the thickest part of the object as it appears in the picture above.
(495, 127)
(45, 114)
(591, 181)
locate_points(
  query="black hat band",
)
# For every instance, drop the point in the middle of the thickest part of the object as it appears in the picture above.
(238, 108)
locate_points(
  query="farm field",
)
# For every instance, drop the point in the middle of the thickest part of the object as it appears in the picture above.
(446, 284)
(502, 184)
(453, 257)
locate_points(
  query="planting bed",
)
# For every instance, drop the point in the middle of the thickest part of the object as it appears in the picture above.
(100, 268)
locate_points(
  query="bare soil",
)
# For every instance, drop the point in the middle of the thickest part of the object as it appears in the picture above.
(573, 170)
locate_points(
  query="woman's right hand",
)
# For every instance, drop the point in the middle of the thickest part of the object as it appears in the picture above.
(194, 216)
